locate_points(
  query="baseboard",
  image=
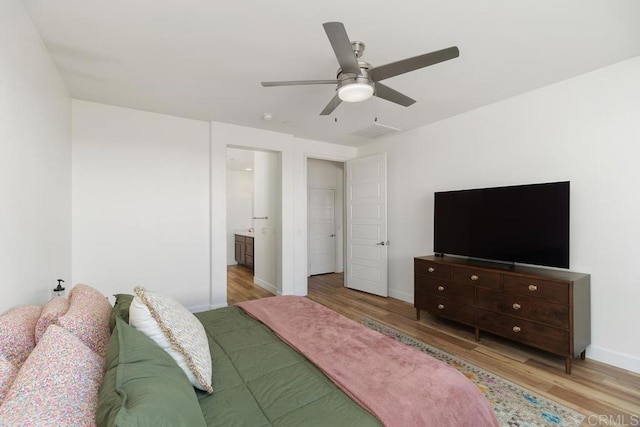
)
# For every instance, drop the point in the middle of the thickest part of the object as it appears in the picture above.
(219, 305)
(617, 359)
(266, 285)
(198, 308)
(402, 296)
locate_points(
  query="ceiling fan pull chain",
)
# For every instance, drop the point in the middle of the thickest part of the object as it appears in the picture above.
(375, 107)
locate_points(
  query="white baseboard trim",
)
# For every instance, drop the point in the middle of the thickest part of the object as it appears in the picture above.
(402, 296)
(219, 305)
(266, 285)
(198, 308)
(617, 359)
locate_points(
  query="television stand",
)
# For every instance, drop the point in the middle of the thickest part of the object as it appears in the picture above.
(544, 308)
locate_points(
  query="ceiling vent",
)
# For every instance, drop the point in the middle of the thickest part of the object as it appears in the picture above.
(376, 130)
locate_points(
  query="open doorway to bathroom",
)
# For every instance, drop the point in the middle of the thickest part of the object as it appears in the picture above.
(254, 204)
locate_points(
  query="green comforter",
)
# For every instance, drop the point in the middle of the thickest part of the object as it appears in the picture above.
(258, 380)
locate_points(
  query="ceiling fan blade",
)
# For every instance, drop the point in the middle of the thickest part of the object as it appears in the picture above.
(299, 83)
(342, 47)
(332, 105)
(385, 92)
(410, 64)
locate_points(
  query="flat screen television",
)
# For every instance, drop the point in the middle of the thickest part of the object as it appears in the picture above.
(526, 224)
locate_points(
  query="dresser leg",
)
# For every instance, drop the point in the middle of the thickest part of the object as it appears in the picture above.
(477, 334)
(583, 355)
(417, 314)
(567, 365)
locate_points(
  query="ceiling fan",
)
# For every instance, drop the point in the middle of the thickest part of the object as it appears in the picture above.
(357, 80)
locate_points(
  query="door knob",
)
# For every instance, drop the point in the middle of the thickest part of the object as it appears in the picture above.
(380, 243)
(332, 235)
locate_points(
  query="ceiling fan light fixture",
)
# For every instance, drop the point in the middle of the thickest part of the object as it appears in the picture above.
(355, 92)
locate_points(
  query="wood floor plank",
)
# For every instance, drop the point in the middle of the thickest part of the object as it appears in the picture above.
(606, 394)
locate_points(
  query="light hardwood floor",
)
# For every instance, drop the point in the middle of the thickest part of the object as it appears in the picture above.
(606, 395)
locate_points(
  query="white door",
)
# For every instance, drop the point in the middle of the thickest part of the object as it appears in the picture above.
(366, 186)
(322, 232)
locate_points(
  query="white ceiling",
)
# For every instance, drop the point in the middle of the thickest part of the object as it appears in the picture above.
(205, 59)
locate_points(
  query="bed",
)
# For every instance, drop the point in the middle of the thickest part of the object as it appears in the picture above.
(281, 361)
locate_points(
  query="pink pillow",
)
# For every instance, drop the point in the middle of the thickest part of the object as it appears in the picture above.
(57, 385)
(8, 373)
(17, 328)
(88, 318)
(51, 312)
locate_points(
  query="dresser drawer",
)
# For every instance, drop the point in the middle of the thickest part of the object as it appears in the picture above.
(444, 288)
(544, 337)
(462, 313)
(431, 269)
(524, 307)
(477, 277)
(554, 291)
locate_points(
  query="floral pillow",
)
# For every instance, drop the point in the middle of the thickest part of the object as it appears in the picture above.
(177, 331)
(88, 318)
(8, 374)
(51, 312)
(57, 385)
(17, 333)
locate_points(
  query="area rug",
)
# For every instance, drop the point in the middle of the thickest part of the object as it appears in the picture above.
(513, 405)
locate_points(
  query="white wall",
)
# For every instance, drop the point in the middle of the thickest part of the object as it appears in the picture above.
(585, 130)
(293, 156)
(141, 202)
(267, 202)
(327, 174)
(35, 164)
(239, 207)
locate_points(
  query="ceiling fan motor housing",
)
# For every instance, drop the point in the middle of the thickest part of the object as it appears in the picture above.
(354, 87)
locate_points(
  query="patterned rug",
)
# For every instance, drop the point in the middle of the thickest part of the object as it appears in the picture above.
(513, 405)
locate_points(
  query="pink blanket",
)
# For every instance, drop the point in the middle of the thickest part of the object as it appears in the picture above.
(398, 384)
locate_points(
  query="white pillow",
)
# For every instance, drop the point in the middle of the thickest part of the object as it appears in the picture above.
(177, 331)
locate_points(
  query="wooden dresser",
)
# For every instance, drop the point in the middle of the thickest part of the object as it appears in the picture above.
(547, 309)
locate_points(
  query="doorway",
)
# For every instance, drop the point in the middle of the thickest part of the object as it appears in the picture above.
(254, 200)
(325, 217)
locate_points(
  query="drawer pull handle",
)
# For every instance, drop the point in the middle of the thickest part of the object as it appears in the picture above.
(516, 306)
(440, 307)
(474, 277)
(533, 288)
(431, 269)
(516, 329)
(441, 288)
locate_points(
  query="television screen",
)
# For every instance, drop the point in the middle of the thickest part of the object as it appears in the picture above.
(525, 224)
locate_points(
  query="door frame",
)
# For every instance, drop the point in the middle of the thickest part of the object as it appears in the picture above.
(302, 287)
